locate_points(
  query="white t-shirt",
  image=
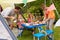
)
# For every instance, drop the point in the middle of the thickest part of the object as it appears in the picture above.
(6, 11)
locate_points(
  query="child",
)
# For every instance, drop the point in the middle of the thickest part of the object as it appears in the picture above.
(20, 21)
(30, 18)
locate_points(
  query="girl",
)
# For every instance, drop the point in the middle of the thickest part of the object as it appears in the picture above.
(20, 21)
(30, 18)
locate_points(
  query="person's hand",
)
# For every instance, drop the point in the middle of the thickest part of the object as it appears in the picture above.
(43, 22)
(12, 17)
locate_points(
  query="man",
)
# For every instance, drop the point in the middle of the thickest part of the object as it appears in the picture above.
(49, 18)
(10, 14)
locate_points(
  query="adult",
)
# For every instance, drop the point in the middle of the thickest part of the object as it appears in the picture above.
(49, 18)
(10, 14)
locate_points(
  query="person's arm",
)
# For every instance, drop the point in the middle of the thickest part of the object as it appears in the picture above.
(9, 17)
(44, 16)
(49, 16)
(19, 17)
(45, 19)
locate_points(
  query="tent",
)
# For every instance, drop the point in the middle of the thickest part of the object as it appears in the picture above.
(10, 3)
(57, 24)
(5, 32)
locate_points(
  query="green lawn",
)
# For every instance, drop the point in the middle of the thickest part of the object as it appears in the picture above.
(27, 35)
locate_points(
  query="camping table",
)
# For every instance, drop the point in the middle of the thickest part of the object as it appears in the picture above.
(32, 26)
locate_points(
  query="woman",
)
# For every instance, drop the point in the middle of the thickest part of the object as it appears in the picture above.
(49, 18)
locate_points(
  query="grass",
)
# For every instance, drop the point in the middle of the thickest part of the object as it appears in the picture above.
(27, 35)
(57, 33)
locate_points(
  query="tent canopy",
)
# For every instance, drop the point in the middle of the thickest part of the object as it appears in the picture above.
(14, 1)
(10, 3)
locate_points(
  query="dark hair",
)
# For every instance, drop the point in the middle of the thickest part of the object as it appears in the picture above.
(16, 7)
(1, 8)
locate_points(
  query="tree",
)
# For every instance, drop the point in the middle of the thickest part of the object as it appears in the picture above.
(35, 6)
